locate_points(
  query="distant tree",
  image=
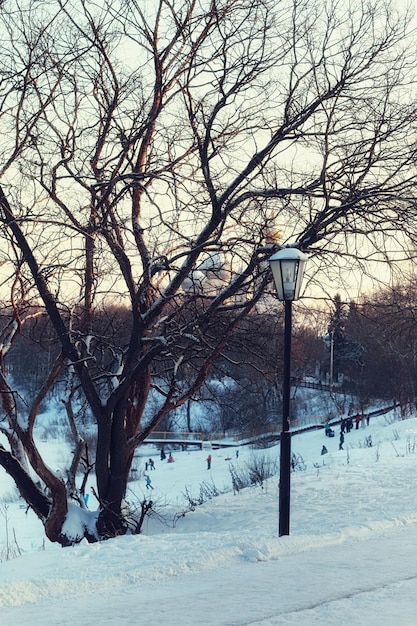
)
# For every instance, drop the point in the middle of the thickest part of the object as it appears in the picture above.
(385, 327)
(307, 348)
(154, 155)
(346, 354)
(250, 362)
(336, 338)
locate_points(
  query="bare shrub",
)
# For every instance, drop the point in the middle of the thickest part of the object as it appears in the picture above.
(297, 463)
(256, 471)
(259, 469)
(11, 549)
(411, 445)
(207, 492)
(238, 481)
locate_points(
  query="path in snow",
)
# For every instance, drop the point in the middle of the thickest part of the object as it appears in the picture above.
(278, 592)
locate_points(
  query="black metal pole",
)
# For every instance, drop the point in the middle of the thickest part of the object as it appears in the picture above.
(285, 458)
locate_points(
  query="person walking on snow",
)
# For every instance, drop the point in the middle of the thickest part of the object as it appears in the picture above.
(148, 482)
(341, 440)
(209, 462)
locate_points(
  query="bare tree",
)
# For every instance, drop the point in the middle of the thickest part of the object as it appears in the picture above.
(383, 324)
(156, 155)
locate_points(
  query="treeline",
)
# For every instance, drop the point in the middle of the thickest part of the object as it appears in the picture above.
(368, 351)
(375, 344)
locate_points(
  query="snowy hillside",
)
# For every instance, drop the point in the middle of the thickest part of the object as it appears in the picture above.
(351, 557)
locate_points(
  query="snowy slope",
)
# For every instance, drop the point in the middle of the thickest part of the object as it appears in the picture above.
(351, 557)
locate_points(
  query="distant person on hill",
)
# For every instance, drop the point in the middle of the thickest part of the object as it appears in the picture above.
(163, 455)
(358, 420)
(170, 458)
(341, 440)
(148, 482)
(209, 462)
(329, 432)
(324, 450)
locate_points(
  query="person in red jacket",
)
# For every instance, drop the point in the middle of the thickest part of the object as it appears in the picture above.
(209, 462)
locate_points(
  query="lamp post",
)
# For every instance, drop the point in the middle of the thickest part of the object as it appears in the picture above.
(287, 267)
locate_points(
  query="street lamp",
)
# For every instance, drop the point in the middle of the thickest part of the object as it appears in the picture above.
(287, 267)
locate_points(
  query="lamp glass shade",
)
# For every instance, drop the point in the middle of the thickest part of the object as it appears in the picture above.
(287, 267)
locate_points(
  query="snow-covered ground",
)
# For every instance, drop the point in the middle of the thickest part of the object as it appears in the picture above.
(351, 557)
